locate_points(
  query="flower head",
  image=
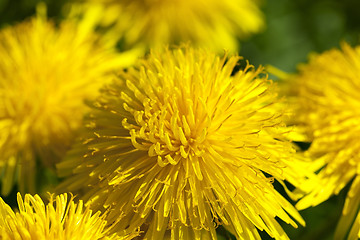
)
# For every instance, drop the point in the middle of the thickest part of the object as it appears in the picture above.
(207, 23)
(46, 73)
(328, 111)
(179, 145)
(60, 219)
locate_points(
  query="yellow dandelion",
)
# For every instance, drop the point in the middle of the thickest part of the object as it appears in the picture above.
(207, 23)
(46, 73)
(60, 219)
(328, 110)
(180, 145)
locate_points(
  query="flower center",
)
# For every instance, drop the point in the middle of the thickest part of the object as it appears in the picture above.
(167, 128)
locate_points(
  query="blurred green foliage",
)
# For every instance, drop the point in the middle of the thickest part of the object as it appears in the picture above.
(294, 29)
(13, 11)
(297, 27)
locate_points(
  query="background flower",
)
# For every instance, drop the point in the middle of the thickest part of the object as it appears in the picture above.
(180, 144)
(328, 106)
(212, 24)
(46, 74)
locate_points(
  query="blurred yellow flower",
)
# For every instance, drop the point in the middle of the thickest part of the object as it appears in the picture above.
(179, 145)
(326, 96)
(60, 219)
(46, 73)
(211, 24)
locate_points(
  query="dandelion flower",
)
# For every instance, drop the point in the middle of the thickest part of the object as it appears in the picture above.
(179, 145)
(328, 110)
(59, 219)
(46, 73)
(207, 23)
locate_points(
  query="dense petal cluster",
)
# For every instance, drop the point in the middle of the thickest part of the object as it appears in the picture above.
(60, 219)
(46, 73)
(181, 144)
(326, 96)
(209, 23)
